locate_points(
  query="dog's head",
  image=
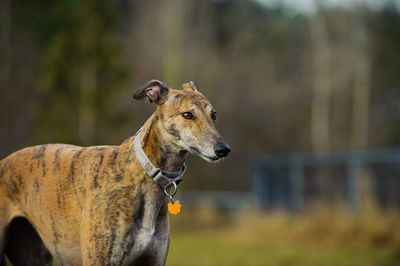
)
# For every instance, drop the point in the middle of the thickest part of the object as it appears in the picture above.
(187, 119)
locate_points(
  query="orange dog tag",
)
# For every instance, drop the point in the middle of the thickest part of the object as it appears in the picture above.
(174, 208)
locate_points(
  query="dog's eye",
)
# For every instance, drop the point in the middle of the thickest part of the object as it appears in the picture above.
(187, 115)
(214, 115)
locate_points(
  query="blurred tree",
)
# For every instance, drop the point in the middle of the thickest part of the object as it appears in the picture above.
(172, 21)
(362, 74)
(82, 70)
(281, 81)
(5, 45)
(19, 54)
(320, 106)
(384, 28)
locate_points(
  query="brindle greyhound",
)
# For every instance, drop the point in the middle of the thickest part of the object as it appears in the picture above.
(99, 205)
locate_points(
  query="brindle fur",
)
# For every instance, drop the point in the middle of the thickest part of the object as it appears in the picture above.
(96, 205)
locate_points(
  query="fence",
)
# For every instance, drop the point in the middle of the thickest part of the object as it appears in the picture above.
(292, 181)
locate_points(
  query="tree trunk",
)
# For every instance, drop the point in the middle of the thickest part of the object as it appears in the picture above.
(171, 56)
(88, 79)
(320, 106)
(361, 89)
(87, 116)
(5, 71)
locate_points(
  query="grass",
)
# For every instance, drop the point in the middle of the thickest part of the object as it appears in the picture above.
(200, 249)
(320, 236)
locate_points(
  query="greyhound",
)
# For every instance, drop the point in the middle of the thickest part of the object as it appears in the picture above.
(106, 205)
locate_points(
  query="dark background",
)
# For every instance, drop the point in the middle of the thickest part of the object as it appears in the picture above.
(282, 80)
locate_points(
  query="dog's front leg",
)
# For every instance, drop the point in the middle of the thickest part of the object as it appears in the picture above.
(93, 247)
(161, 239)
(156, 253)
(107, 233)
(100, 246)
(161, 243)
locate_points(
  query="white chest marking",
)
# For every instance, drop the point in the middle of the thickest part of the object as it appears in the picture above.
(142, 241)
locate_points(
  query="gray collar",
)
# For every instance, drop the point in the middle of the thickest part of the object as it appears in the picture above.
(165, 179)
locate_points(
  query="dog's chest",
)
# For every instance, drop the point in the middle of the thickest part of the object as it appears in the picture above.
(147, 242)
(144, 240)
(150, 238)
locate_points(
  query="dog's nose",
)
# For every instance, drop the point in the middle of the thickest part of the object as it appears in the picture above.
(222, 149)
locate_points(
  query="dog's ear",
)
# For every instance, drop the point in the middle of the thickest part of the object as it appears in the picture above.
(154, 91)
(189, 86)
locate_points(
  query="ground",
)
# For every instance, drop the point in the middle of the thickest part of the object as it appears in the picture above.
(218, 248)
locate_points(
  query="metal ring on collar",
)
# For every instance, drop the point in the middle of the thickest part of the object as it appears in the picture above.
(174, 189)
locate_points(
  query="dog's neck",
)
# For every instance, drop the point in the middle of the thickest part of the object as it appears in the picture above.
(164, 156)
(162, 153)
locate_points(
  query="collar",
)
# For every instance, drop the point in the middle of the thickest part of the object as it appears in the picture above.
(165, 179)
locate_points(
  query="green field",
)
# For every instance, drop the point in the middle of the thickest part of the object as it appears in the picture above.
(218, 248)
(319, 236)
